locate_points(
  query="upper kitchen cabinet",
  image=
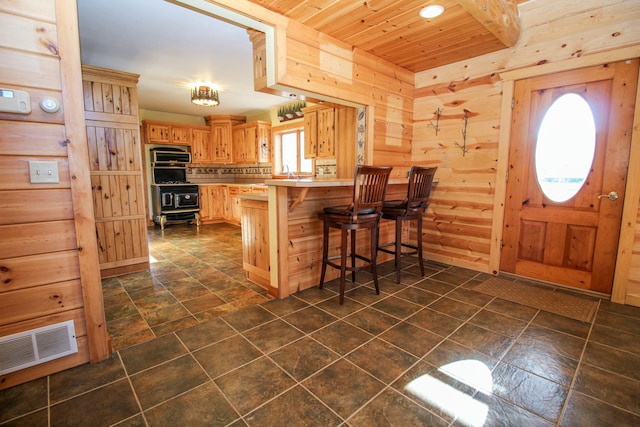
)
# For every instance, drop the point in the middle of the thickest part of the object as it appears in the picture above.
(154, 132)
(181, 135)
(252, 142)
(319, 132)
(201, 144)
(221, 147)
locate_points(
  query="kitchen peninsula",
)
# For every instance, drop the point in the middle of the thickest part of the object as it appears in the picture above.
(295, 232)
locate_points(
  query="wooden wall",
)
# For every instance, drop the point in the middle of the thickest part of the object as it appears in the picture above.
(310, 61)
(465, 213)
(115, 159)
(48, 261)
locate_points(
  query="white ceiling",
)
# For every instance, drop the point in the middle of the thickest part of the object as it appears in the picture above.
(171, 47)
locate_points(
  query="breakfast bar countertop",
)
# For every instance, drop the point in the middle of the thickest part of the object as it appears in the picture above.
(321, 182)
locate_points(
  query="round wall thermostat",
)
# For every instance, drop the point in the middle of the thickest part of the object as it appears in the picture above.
(50, 105)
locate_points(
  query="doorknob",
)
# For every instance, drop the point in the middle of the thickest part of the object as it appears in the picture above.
(611, 196)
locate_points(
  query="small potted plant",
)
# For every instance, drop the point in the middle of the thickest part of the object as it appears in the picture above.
(281, 113)
(299, 108)
(290, 113)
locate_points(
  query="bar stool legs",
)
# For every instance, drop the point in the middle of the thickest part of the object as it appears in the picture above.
(344, 253)
(411, 208)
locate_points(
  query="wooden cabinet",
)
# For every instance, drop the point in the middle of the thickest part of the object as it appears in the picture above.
(221, 145)
(255, 243)
(319, 132)
(213, 202)
(233, 214)
(201, 145)
(180, 135)
(252, 142)
(219, 200)
(155, 132)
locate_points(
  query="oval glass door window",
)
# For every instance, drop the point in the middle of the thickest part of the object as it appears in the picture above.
(565, 147)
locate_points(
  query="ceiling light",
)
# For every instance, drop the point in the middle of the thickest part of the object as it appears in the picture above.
(204, 95)
(431, 11)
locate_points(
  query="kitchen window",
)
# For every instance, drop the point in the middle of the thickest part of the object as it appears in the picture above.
(289, 152)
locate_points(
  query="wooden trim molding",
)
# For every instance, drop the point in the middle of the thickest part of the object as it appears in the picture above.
(77, 149)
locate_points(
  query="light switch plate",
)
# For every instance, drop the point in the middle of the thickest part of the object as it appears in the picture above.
(43, 172)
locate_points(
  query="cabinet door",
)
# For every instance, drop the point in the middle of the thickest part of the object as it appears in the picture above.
(251, 144)
(234, 204)
(201, 147)
(326, 133)
(157, 134)
(205, 202)
(239, 155)
(221, 142)
(311, 134)
(180, 135)
(218, 197)
(264, 143)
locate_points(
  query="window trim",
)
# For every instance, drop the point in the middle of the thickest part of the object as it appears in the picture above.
(276, 135)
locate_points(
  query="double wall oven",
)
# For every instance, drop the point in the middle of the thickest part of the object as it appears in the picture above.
(173, 198)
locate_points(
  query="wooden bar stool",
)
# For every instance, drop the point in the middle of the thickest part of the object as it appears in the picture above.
(413, 207)
(369, 188)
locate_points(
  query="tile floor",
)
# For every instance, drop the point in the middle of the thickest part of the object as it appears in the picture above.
(195, 275)
(429, 351)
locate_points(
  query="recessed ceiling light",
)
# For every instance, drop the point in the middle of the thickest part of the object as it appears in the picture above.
(431, 11)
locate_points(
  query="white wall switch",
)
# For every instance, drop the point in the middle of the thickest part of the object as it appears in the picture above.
(43, 172)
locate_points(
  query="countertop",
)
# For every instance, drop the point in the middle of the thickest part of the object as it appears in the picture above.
(261, 197)
(321, 182)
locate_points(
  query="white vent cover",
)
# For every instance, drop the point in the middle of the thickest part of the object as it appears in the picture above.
(28, 348)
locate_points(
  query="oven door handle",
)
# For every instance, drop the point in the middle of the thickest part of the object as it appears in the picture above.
(167, 200)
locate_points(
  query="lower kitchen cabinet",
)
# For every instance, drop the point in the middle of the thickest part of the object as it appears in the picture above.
(255, 242)
(221, 202)
(213, 203)
(234, 204)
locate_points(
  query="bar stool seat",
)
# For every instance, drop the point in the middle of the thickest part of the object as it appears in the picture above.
(364, 211)
(411, 208)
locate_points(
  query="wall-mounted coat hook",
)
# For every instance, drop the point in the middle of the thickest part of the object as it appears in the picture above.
(438, 112)
(464, 133)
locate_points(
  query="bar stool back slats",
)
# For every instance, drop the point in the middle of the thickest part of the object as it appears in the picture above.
(364, 211)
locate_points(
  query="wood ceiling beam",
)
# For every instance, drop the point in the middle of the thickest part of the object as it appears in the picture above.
(500, 17)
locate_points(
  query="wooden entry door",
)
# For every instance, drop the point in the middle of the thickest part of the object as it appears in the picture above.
(574, 242)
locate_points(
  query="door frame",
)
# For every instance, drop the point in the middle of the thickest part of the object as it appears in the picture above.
(632, 192)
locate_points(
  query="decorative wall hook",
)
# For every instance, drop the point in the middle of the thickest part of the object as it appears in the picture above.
(464, 133)
(437, 125)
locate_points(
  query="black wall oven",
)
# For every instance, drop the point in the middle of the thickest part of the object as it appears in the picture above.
(173, 198)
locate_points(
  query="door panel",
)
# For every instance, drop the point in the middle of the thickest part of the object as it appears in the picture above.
(573, 242)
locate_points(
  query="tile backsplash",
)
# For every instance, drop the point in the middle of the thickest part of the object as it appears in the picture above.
(325, 168)
(212, 173)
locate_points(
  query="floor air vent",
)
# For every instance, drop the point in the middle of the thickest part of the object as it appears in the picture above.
(19, 351)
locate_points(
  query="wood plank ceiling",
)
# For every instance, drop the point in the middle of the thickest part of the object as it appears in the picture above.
(393, 29)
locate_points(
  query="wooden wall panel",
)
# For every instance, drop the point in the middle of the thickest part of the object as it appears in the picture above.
(14, 172)
(35, 270)
(317, 63)
(25, 206)
(37, 238)
(44, 276)
(30, 303)
(115, 159)
(468, 191)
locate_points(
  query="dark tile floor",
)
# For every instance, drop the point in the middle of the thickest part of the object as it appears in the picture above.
(429, 351)
(195, 275)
